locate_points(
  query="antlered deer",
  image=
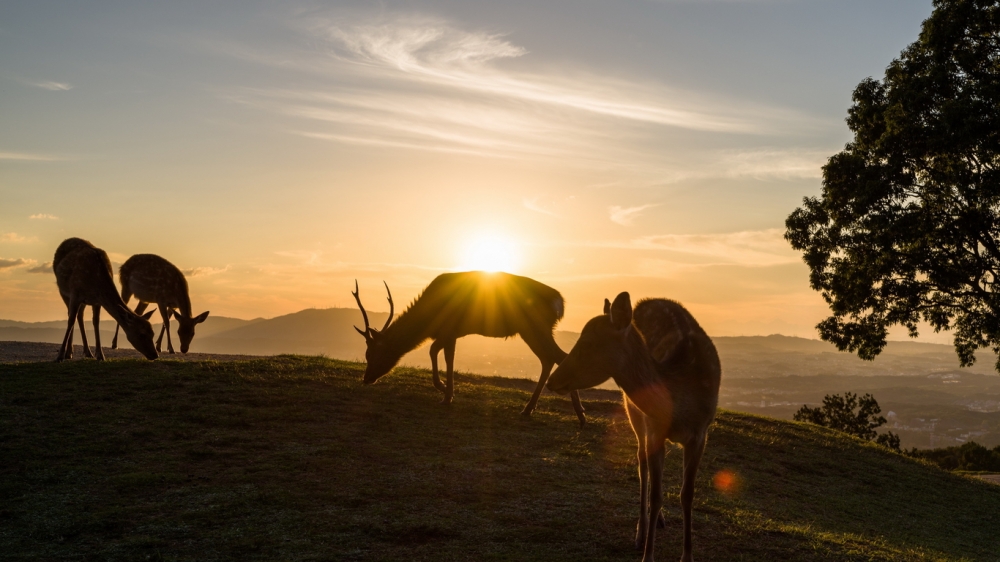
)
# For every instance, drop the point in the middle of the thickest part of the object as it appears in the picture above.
(153, 279)
(496, 305)
(84, 277)
(669, 371)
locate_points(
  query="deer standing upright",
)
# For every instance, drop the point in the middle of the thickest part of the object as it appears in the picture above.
(497, 305)
(669, 372)
(153, 279)
(84, 277)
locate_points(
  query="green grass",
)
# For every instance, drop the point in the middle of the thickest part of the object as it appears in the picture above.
(291, 458)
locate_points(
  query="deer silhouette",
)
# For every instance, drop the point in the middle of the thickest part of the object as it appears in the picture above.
(84, 277)
(669, 372)
(497, 305)
(153, 279)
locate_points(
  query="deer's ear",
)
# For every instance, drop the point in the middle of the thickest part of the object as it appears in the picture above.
(607, 306)
(176, 315)
(148, 315)
(201, 317)
(621, 311)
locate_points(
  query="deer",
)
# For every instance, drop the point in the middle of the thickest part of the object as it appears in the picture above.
(153, 279)
(84, 277)
(496, 305)
(669, 372)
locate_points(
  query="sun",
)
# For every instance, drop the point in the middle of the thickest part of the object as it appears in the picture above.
(490, 253)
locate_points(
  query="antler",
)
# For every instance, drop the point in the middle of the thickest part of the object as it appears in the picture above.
(387, 322)
(366, 333)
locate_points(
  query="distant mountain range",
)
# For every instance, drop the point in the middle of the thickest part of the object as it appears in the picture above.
(330, 332)
(934, 403)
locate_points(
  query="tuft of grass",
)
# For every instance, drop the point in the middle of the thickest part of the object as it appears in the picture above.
(293, 458)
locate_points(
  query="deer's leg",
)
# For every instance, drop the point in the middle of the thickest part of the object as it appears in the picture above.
(655, 451)
(83, 333)
(67, 342)
(692, 457)
(449, 361)
(636, 419)
(435, 348)
(546, 370)
(126, 296)
(165, 314)
(97, 333)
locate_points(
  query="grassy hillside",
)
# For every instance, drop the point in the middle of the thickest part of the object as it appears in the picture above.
(292, 458)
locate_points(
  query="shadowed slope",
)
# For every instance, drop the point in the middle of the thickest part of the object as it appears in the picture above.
(292, 458)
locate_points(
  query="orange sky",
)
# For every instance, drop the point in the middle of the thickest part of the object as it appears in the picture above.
(277, 153)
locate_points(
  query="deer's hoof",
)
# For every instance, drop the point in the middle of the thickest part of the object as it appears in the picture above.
(526, 412)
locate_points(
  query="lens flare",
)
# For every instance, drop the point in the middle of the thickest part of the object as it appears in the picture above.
(726, 481)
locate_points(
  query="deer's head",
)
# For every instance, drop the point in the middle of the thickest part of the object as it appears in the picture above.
(600, 353)
(379, 356)
(185, 328)
(139, 333)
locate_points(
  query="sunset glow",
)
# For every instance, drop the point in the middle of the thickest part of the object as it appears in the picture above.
(301, 147)
(490, 253)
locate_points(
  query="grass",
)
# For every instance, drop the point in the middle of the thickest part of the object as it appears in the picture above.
(291, 458)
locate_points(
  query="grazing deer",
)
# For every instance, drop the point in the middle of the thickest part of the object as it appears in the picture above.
(496, 305)
(153, 279)
(669, 371)
(83, 275)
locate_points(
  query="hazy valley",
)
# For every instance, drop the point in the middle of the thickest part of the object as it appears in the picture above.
(926, 397)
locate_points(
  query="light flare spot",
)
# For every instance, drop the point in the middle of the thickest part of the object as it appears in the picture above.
(726, 481)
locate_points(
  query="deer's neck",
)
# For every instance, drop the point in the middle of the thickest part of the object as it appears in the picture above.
(406, 333)
(112, 302)
(640, 380)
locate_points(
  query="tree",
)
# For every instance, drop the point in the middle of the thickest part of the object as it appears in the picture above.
(907, 228)
(838, 413)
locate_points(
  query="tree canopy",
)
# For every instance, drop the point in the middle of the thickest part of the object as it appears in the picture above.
(838, 412)
(907, 227)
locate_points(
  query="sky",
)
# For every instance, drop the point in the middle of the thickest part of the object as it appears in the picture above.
(277, 151)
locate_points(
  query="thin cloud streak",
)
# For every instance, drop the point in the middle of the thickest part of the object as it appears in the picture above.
(755, 248)
(534, 204)
(14, 238)
(53, 86)
(425, 84)
(625, 215)
(43, 216)
(11, 263)
(27, 157)
(41, 268)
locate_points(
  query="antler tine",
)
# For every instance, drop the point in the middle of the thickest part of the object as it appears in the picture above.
(364, 314)
(387, 322)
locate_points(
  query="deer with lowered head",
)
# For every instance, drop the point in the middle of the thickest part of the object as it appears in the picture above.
(153, 279)
(84, 277)
(496, 305)
(669, 372)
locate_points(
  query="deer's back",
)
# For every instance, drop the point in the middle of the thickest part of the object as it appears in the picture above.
(489, 304)
(82, 271)
(685, 357)
(153, 279)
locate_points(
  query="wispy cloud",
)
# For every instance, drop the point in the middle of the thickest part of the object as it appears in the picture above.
(10, 263)
(43, 216)
(28, 157)
(625, 215)
(13, 237)
(204, 271)
(535, 204)
(424, 83)
(52, 86)
(755, 248)
(41, 268)
(752, 247)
